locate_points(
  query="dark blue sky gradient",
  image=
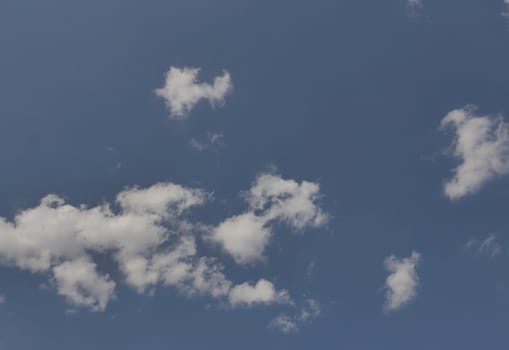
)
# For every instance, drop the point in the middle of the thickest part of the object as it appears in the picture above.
(347, 93)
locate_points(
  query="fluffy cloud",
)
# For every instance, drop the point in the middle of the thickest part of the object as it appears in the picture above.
(270, 199)
(489, 246)
(402, 283)
(78, 281)
(481, 143)
(146, 232)
(291, 324)
(182, 92)
(243, 236)
(263, 292)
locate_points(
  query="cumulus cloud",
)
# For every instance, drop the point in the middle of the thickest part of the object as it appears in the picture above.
(145, 231)
(243, 236)
(291, 323)
(78, 281)
(182, 91)
(263, 292)
(489, 246)
(481, 144)
(402, 283)
(270, 199)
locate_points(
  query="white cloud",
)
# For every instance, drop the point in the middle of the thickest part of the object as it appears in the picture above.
(148, 236)
(78, 281)
(291, 324)
(244, 237)
(505, 13)
(2, 299)
(287, 201)
(402, 283)
(263, 292)
(481, 143)
(270, 199)
(489, 246)
(182, 91)
(55, 237)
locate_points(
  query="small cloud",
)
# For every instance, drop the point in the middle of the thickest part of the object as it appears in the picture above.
(197, 145)
(182, 91)
(291, 323)
(211, 140)
(263, 292)
(215, 138)
(2, 299)
(284, 323)
(402, 283)
(489, 246)
(481, 144)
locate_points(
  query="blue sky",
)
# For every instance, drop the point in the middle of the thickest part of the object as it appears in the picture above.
(197, 174)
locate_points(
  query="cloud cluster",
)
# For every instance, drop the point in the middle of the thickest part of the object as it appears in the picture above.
(402, 283)
(181, 91)
(481, 143)
(291, 323)
(271, 199)
(146, 233)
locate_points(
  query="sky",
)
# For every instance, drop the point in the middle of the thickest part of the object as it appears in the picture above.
(197, 174)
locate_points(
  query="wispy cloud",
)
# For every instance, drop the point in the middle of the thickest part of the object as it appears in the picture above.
(489, 246)
(211, 140)
(286, 323)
